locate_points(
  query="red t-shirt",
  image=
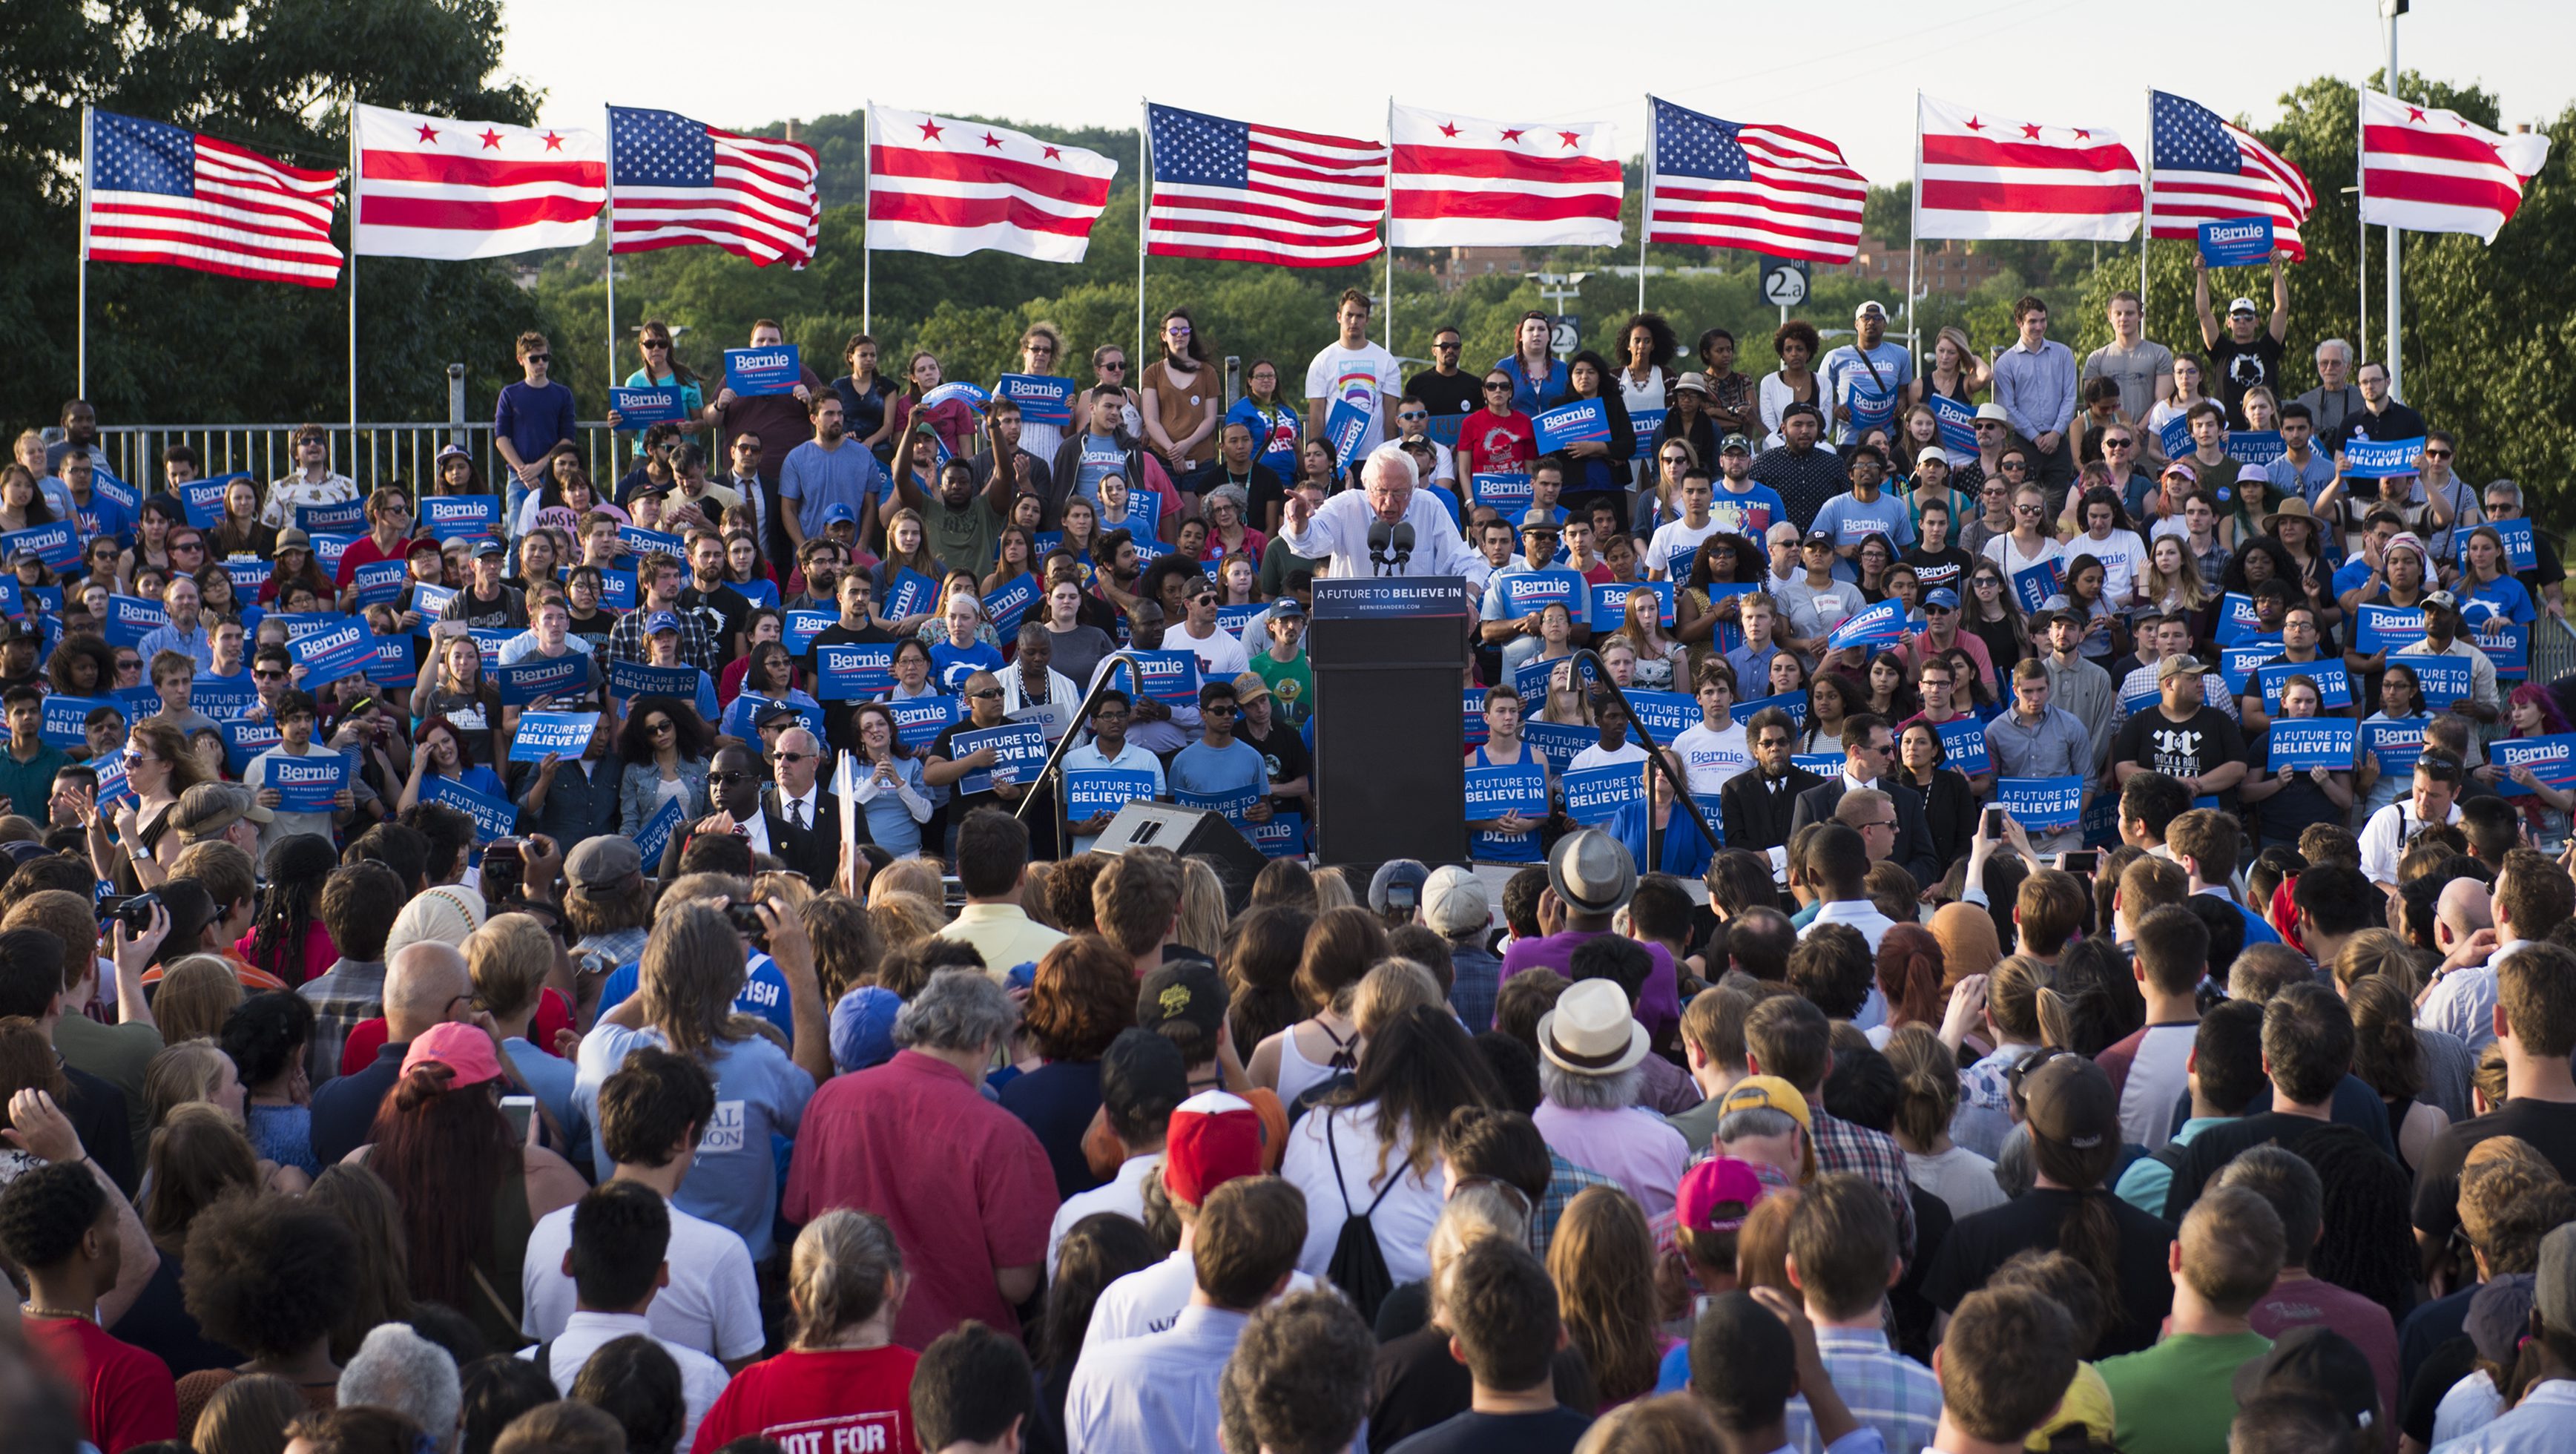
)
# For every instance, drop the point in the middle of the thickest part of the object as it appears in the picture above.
(127, 1396)
(1487, 445)
(963, 1183)
(369, 1036)
(857, 1399)
(2306, 1301)
(362, 551)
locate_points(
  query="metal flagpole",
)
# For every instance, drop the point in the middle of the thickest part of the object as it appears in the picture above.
(81, 387)
(2361, 269)
(1645, 208)
(608, 258)
(2396, 298)
(2147, 222)
(867, 248)
(1913, 224)
(1390, 225)
(353, 279)
(1144, 186)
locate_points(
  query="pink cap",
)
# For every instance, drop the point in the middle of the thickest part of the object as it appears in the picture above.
(464, 1049)
(1711, 1184)
(1212, 1139)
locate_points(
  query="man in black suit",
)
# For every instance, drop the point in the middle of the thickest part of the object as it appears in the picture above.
(801, 820)
(1759, 805)
(1869, 749)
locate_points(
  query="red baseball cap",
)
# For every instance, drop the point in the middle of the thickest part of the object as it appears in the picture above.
(1213, 1138)
(464, 1049)
(1710, 1184)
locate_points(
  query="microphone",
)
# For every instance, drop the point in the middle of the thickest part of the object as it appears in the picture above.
(1403, 534)
(1380, 535)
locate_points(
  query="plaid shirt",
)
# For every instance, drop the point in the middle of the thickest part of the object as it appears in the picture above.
(1884, 1389)
(1567, 1183)
(1842, 1146)
(1804, 482)
(341, 996)
(697, 647)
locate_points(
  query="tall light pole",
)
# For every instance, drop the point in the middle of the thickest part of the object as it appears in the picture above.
(2389, 10)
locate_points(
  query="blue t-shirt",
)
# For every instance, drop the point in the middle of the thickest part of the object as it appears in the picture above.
(1095, 460)
(1532, 395)
(817, 479)
(1274, 434)
(535, 418)
(951, 665)
(764, 991)
(1199, 768)
(1749, 514)
(760, 1094)
(1853, 522)
(2502, 597)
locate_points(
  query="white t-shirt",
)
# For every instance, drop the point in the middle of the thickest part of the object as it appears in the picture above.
(1150, 1300)
(1123, 1193)
(1594, 756)
(702, 1378)
(1221, 657)
(1673, 537)
(2124, 559)
(1366, 375)
(712, 1304)
(1403, 1221)
(2158, 1077)
(1712, 757)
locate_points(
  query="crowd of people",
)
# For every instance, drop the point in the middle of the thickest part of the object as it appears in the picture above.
(466, 1104)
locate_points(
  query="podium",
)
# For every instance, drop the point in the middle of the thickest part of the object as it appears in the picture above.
(1389, 657)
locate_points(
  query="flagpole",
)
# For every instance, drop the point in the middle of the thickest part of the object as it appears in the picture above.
(1144, 186)
(2396, 300)
(867, 251)
(81, 349)
(1646, 203)
(608, 257)
(2147, 197)
(353, 279)
(1914, 224)
(1390, 225)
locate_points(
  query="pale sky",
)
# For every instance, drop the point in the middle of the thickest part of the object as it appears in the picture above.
(1857, 62)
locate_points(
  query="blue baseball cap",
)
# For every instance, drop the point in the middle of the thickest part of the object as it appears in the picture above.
(863, 1028)
(661, 621)
(1942, 597)
(839, 515)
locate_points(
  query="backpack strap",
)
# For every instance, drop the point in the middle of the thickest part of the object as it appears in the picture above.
(1332, 1149)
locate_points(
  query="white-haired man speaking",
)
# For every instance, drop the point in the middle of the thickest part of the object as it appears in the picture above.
(1384, 528)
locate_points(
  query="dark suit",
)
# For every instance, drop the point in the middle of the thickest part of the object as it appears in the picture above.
(1757, 817)
(814, 850)
(1913, 838)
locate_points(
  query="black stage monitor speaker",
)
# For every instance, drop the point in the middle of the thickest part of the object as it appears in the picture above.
(1188, 832)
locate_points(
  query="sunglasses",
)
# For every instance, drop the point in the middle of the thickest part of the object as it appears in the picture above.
(2116, 443)
(2014, 466)
(1450, 347)
(1497, 388)
(1219, 709)
(988, 692)
(662, 726)
(730, 777)
(2437, 454)
(795, 757)
(539, 357)
(654, 343)
(1119, 367)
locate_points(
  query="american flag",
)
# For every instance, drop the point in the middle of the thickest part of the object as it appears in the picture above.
(1261, 194)
(673, 182)
(939, 185)
(1980, 175)
(428, 186)
(158, 193)
(2430, 170)
(1766, 189)
(1460, 181)
(2204, 170)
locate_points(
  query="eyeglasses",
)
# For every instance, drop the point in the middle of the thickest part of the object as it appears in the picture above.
(2026, 509)
(1985, 424)
(1987, 583)
(1769, 743)
(795, 757)
(1115, 366)
(1888, 823)
(1412, 414)
(746, 446)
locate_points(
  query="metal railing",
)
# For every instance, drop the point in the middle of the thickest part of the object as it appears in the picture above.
(1052, 769)
(372, 454)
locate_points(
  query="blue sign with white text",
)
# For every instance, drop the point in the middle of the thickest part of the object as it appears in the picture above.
(2235, 242)
(1091, 793)
(332, 652)
(561, 734)
(1346, 429)
(460, 517)
(2378, 459)
(640, 408)
(493, 817)
(2396, 743)
(1595, 794)
(1170, 676)
(2306, 742)
(2255, 448)
(340, 517)
(2333, 687)
(380, 583)
(628, 680)
(57, 545)
(757, 373)
(1494, 792)
(1043, 398)
(2379, 628)
(308, 784)
(1584, 421)
(533, 678)
(1664, 715)
(131, 618)
(853, 671)
(1020, 749)
(2041, 804)
(1958, 421)
(2551, 759)
(1507, 493)
(2442, 679)
(66, 718)
(1963, 744)
(1610, 602)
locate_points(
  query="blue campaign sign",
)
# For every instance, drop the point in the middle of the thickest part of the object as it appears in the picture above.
(308, 784)
(919, 719)
(640, 408)
(1556, 743)
(2255, 448)
(654, 838)
(1610, 602)
(1231, 806)
(526, 681)
(758, 372)
(1877, 624)
(65, 719)
(2237, 665)
(2442, 679)
(1284, 834)
(2175, 435)
(1958, 421)
(429, 600)
(2519, 554)
(380, 583)
(1793, 703)
(2551, 759)
(1593, 795)
(2237, 619)
(853, 671)
(1526, 593)
(562, 734)
(1089, 794)
(2396, 744)
(1581, 422)
(2033, 585)
(2332, 685)
(222, 698)
(131, 618)
(1019, 751)
(460, 517)
(300, 624)
(112, 786)
(327, 550)
(57, 545)
(1505, 492)
(747, 708)
(802, 626)
(136, 703)
(106, 486)
(1664, 716)
(493, 817)
(2377, 459)
(631, 679)
(2506, 644)
(1232, 619)
(1495, 791)
(2307, 742)
(1963, 744)
(2235, 242)
(972, 396)
(1170, 676)
(1477, 733)
(910, 594)
(333, 652)
(1367, 599)
(1346, 429)
(1822, 764)
(393, 666)
(2380, 628)
(246, 740)
(1536, 675)
(1867, 409)
(340, 517)
(637, 540)
(203, 500)
(2041, 804)
(1043, 398)
(1645, 422)
(1009, 605)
